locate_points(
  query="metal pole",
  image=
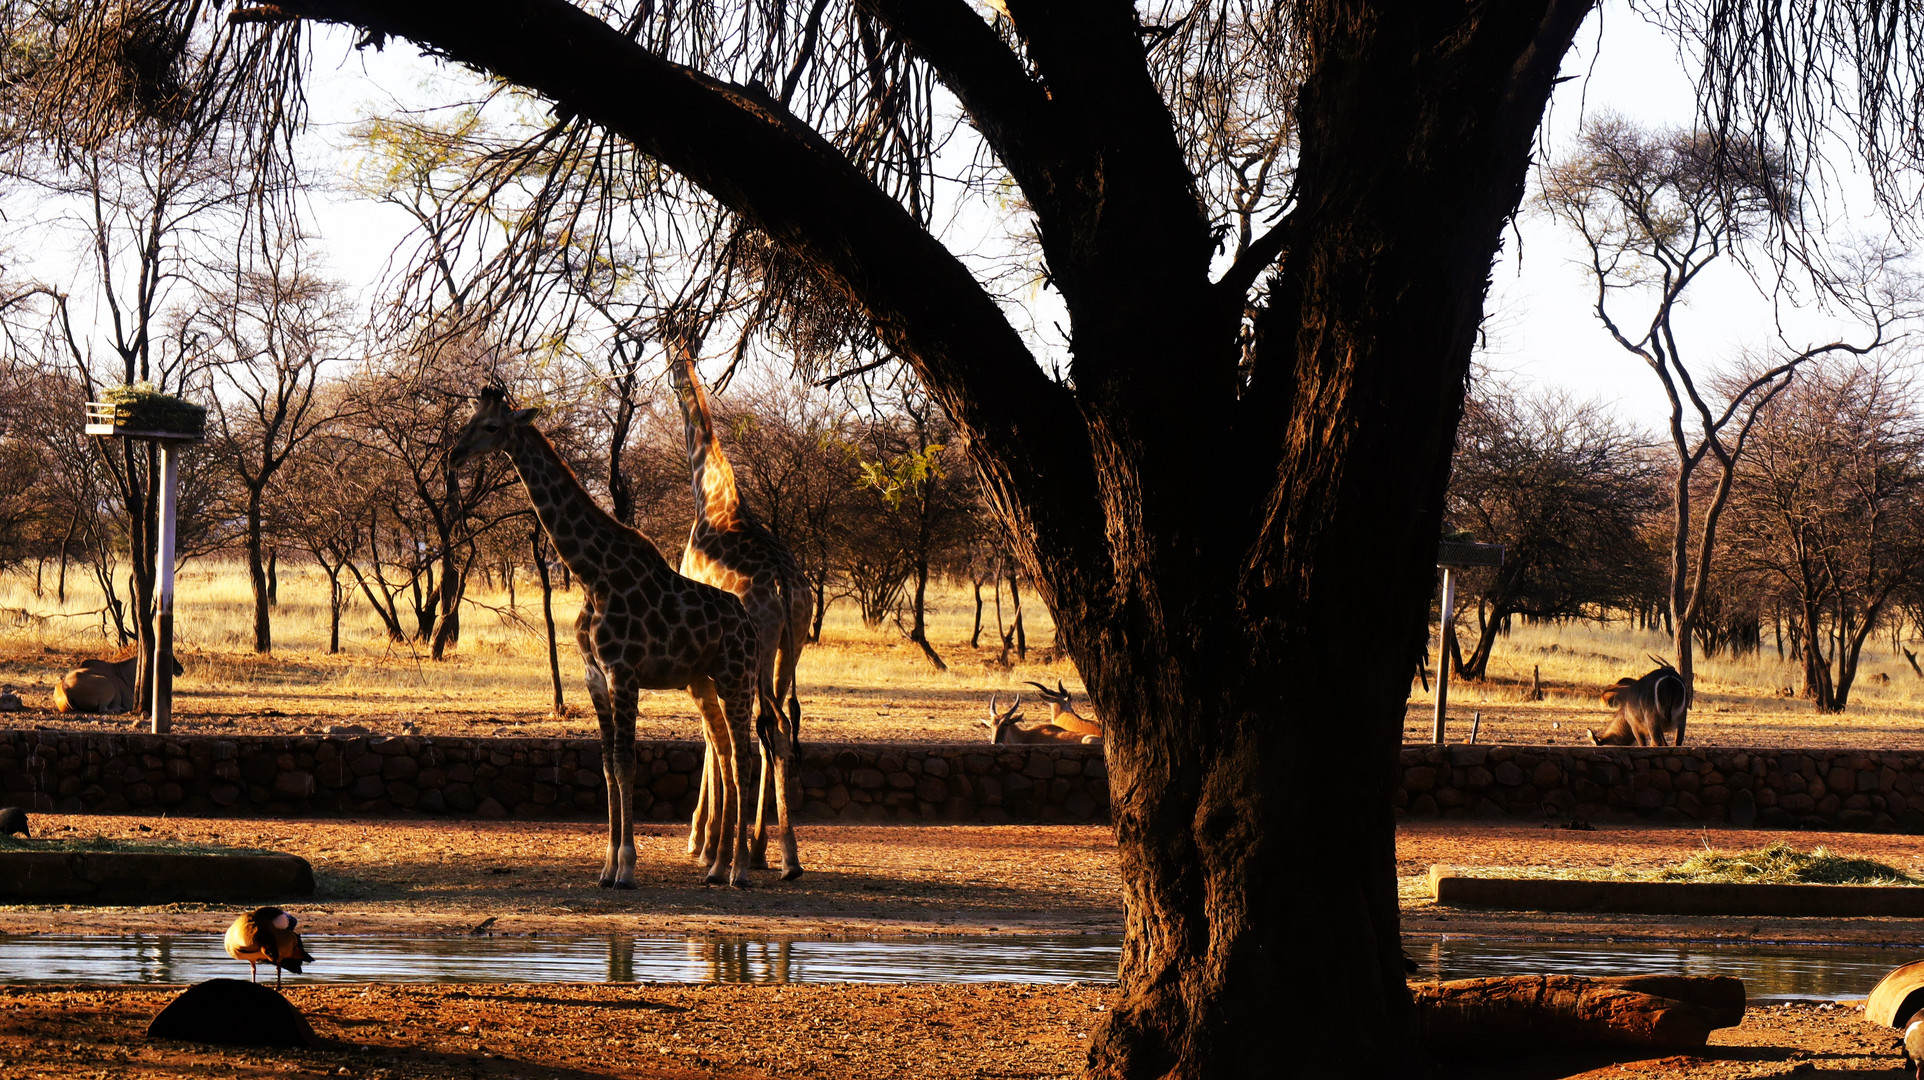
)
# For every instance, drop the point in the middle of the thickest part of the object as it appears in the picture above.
(163, 658)
(1443, 652)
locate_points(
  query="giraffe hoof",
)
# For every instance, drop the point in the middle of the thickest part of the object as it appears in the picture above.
(715, 879)
(743, 883)
(606, 883)
(791, 873)
(624, 884)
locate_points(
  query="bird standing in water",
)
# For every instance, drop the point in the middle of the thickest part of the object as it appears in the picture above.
(267, 935)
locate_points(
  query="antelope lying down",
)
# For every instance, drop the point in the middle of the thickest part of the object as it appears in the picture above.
(1062, 713)
(1646, 708)
(101, 686)
(1002, 728)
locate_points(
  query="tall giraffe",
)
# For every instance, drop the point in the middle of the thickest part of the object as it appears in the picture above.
(642, 626)
(729, 549)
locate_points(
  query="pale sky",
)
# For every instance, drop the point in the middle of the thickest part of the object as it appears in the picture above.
(1540, 326)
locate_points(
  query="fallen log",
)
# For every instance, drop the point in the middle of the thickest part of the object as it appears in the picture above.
(1519, 1013)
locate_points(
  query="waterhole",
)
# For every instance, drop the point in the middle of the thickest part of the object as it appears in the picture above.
(1770, 972)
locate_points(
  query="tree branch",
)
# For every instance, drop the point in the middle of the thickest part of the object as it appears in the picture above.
(783, 178)
(1008, 108)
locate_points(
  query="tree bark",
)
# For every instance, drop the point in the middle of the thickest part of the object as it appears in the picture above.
(258, 576)
(1495, 1017)
(535, 542)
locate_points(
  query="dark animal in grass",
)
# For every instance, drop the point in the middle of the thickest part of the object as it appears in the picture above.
(101, 686)
(266, 935)
(1646, 708)
(13, 820)
(9, 701)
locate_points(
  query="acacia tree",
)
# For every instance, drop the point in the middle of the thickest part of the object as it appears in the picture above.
(271, 332)
(1655, 209)
(1240, 476)
(1829, 507)
(1565, 489)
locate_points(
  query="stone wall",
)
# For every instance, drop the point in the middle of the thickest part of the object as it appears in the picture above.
(293, 776)
(1877, 790)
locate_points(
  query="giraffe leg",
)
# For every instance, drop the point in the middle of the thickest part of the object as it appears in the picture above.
(625, 694)
(784, 831)
(605, 713)
(790, 755)
(716, 779)
(705, 832)
(758, 839)
(698, 825)
(714, 829)
(740, 706)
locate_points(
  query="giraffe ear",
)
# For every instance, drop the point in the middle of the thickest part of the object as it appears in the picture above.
(525, 416)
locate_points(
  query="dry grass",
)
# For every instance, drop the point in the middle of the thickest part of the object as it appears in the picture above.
(1779, 863)
(1741, 701)
(857, 683)
(1783, 864)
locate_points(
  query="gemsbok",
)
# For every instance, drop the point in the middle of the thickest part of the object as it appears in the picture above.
(1003, 728)
(1062, 712)
(1646, 708)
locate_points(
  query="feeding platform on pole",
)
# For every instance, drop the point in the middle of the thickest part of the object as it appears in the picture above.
(1454, 555)
(143, 412)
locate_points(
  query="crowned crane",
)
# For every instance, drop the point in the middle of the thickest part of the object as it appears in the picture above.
(267, 935)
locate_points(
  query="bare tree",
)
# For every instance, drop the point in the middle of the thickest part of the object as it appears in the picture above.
(1566, 489)
(1654, 210)
(1829, 506)
(272, 332)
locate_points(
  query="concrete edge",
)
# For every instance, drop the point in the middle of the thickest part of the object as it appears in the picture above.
(1675, 897)
(139, 877)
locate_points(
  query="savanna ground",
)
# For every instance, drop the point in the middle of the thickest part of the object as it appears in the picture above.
(859, 683)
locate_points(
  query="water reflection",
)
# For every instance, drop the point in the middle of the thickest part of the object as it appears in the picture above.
(1768, 971)
(170, 958)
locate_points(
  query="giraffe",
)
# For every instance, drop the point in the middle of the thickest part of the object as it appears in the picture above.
(642, 626)
(729, 549)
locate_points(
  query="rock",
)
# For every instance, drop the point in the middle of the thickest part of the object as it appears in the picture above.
(1743, 810)
(232, 1012)
(9, 701)
(13, 820)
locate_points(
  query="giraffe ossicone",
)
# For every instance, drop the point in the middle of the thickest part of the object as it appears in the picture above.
(642, 627)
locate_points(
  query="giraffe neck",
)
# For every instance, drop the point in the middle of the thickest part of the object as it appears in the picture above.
(585, 536)
(712, 478)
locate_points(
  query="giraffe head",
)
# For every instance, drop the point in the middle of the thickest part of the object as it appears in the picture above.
(491, 426)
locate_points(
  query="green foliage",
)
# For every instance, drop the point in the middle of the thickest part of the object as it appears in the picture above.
(143, 407)
(905, 475)
(1782, 864)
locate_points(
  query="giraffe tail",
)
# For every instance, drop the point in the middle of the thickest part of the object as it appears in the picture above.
(786, 648)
